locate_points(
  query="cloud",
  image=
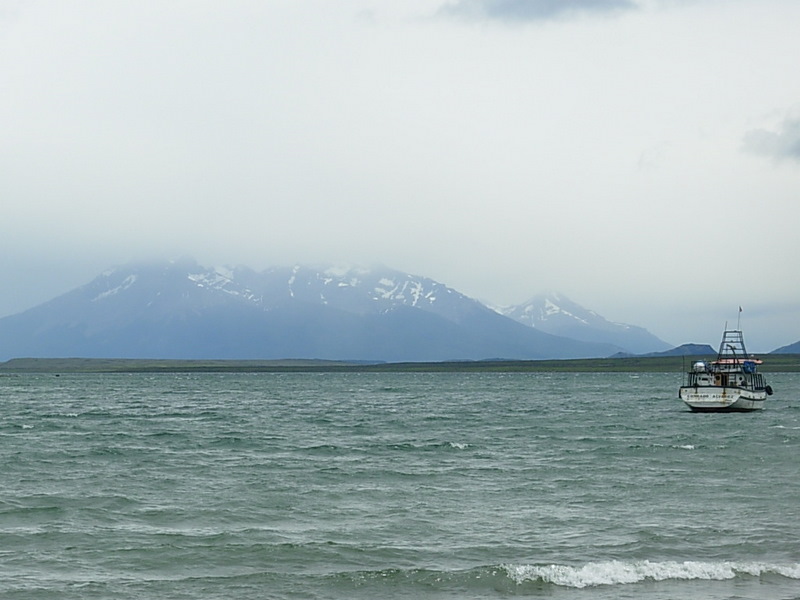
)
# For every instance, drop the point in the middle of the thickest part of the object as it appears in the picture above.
(532, 10)
(781, 144)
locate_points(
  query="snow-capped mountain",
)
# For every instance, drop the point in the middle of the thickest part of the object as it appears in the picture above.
(184, 310)
(558, 315)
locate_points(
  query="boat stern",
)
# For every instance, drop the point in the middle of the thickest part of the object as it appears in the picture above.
(720, 399)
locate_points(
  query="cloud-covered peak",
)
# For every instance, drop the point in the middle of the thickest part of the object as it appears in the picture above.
(532, 10)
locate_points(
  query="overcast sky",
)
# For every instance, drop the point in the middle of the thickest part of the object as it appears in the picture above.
(640, 156)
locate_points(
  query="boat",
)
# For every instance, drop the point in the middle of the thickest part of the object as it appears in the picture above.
(731, 383)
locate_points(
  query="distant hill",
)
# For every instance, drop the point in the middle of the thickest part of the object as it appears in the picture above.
(558, 315)
(790, 349)
(687, 350)
(182, 310)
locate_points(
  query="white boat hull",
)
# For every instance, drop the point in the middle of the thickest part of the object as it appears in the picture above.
(722, 399)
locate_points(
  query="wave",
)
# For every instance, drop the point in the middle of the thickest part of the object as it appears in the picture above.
(253, 580)
(509, 578)
(619, 572)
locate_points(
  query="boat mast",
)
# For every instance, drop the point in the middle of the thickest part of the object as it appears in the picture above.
(731, 345)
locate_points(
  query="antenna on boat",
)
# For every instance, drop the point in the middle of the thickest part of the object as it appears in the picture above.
(739, 320)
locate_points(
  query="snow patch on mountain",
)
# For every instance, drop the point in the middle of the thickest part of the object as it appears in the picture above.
(222, 281)
(552, 309)
(342, 271)
(226, 272)
(211, 280)
(128, 282)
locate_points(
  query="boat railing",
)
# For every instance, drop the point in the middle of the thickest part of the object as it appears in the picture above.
(739, 379)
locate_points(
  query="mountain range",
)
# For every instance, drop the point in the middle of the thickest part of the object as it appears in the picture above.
(180, 309)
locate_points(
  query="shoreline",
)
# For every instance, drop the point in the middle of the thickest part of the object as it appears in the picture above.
(774, 363)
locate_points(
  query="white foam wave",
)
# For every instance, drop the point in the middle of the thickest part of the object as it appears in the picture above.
(618, 572)
(458, 445)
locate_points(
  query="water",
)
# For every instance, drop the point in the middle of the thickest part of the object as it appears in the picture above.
(405, 485)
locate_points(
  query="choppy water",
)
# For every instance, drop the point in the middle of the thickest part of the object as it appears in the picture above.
(393, 486)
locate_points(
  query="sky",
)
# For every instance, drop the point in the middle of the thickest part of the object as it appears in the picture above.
(641, 157)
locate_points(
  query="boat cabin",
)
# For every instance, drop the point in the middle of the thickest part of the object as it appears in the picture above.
(727, 372)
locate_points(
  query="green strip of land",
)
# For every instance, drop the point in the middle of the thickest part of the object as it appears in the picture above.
(659, 364)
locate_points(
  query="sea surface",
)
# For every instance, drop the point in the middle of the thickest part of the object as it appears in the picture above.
(407, 485)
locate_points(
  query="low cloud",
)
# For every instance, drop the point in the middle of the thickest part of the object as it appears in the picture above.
(532, 10)
(781, 144)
